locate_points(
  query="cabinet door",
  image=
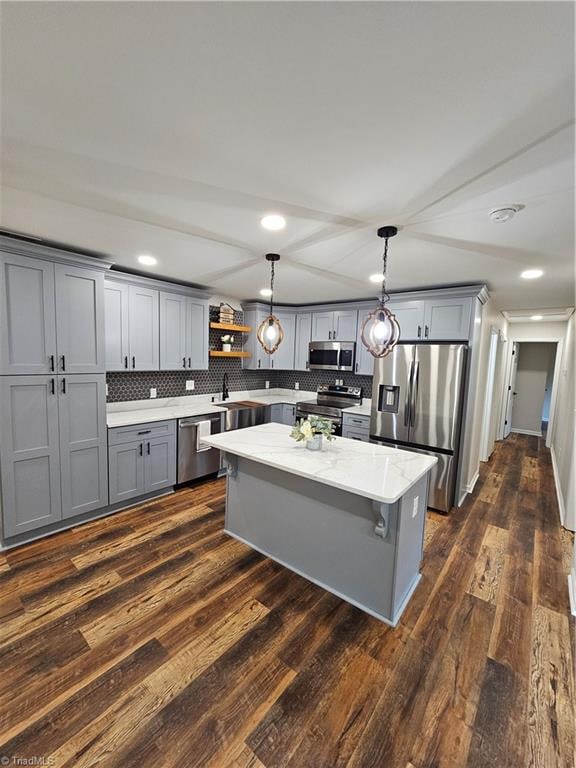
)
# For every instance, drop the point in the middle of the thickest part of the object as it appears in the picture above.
(410, 316)
(27, 321)
(80, 319)
(173, 327)
(116, 340)
(143, 329)
(159, 463)
(303, 330)
(277, 413)
(126, 471)
(322, 326)
(283, 358)
(29, 453)
(83, 443)
(364, 365)
(345, 323)
(448, 319)
(197, 335)
(258, 360)
(289, 414)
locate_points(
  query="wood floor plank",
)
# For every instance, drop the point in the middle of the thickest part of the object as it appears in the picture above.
(486, 577)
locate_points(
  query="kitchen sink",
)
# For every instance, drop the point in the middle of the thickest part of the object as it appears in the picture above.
(244, 413)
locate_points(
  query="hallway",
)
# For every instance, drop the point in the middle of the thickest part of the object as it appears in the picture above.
(148, 638)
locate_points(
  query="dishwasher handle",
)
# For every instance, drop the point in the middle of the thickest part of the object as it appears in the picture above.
(186, 424)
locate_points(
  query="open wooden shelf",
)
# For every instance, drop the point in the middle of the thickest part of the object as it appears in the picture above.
(237, 353)
(231, 327)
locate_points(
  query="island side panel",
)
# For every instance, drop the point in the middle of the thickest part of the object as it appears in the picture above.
(323, 533)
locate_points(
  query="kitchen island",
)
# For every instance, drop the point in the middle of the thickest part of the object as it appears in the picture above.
(349, 518)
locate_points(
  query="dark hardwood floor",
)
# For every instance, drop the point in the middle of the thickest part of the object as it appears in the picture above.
(149, 638)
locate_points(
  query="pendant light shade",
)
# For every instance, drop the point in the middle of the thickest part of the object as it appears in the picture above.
(381, 330)
(270, 333)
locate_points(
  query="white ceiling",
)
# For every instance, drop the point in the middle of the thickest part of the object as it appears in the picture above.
(171, 128)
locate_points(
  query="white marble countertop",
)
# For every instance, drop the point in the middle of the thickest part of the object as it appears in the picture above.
(144, 411)
(374, 471)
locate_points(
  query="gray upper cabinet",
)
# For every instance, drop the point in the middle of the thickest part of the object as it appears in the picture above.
(283, 358)
(173, 331)
(364, 363)
(143, 328)
(29, 453)
(410, 316)
(448, 319)
(339, 325)
(258, 359)
(303, 338)
(28, 319)
(83, 443)
(80, 319)
(117, 341)
(197, 334)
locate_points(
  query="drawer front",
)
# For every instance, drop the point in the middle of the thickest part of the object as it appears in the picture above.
(361, 423)
(356, 434)
(118, 435)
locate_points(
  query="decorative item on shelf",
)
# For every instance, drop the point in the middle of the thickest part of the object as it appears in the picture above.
(227, 341)
(312, 430)
(226, 314)
(270, 333)
(381, 330)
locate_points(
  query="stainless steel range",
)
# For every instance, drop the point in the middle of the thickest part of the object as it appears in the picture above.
(331, 401)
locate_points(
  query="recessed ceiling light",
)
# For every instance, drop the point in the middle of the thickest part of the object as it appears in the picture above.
(537, 317)
(531, 274)
(273, 222)
(265, 292)
(505, 213)
(147, 261)
(377, 278)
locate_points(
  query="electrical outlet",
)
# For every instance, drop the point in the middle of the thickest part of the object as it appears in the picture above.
(153, 392)
(415, 506)
(297, 385)
(189, 385)
(267, 384)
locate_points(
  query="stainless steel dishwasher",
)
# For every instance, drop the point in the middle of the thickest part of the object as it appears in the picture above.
(194, 459)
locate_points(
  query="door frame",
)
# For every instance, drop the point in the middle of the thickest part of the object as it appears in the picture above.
(535, 339)
(485, 448)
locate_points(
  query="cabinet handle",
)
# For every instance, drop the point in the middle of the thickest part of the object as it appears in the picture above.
(133, 362)
(148, 448)
(145, 432)
(126, 362)
(356, 368)
(426, 331)
(189, 362)
(419, 331)
(52, 387)
(333, 334)
(140, 449)
(63, 386)
(63, 362)
(259, 361)
(183, 362)
(52, 363)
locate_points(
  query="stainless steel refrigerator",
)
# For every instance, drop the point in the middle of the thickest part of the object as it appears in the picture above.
(417, 396)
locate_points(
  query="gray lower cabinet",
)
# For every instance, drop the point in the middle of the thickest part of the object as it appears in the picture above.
(277, 413)
(141, 459)
(288, 414)
(29, 453)
(53, 460)
(83, 443)
(356, 427)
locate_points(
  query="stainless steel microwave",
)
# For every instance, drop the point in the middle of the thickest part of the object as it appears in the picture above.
(331, 355)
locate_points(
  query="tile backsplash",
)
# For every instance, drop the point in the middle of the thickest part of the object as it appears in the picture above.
(127, 385)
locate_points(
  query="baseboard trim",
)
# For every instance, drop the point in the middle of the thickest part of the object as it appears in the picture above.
(472, 484)
(572, 591)
(561, 507)
(534, 433)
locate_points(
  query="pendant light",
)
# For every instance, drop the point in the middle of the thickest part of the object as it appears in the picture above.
(270, 333)
(380, 330)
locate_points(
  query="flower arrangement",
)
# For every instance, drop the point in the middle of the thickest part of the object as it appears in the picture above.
(227, 341)
(312, 430)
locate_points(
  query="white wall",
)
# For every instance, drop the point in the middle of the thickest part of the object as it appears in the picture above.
(536, 331)
(535, 367)
(562, 436)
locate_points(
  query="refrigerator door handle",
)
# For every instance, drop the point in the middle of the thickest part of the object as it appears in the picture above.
(414, 388)
(408, 399)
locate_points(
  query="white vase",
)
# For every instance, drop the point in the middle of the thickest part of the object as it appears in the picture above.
(315, 444)
(226, 347)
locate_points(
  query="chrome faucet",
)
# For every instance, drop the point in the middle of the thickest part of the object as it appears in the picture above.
(225, 393)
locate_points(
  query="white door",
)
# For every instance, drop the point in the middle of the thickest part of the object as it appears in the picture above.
(511, 392)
